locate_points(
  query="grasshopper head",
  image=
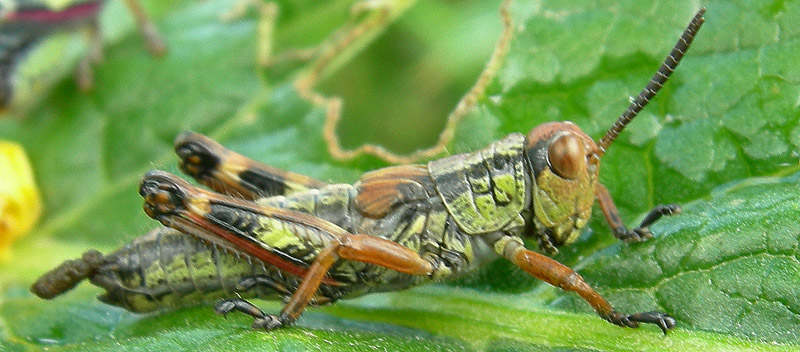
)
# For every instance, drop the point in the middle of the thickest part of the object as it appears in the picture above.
(564, 164)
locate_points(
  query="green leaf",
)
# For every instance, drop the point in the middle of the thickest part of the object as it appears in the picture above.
(729, 264)
(713, 140)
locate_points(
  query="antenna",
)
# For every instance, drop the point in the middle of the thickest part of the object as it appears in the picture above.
(656, 82)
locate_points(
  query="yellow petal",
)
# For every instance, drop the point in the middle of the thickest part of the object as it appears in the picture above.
(20, 205)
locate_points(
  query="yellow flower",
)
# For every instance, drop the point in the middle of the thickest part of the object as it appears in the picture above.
(20, 205)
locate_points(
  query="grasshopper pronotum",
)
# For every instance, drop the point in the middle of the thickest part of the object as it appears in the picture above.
(309, 242)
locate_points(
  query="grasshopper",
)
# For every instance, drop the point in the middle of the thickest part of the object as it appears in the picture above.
(266, 232)
(25, 23)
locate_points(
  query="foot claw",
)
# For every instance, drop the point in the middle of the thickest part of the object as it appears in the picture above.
(639, 234)
(241, 305)
(642, 233)
(269, 322)
(672, 209)
(662, 320)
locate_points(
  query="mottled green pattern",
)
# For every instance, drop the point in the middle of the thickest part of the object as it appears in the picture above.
(562, 205)
(485, 190)
(423, 225)
(166, 268)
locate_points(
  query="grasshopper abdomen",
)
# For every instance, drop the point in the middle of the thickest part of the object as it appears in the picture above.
(164, 269)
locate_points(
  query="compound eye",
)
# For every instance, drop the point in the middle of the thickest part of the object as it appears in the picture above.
(567, 156)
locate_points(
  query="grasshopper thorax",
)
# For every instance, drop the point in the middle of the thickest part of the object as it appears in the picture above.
(564, 164)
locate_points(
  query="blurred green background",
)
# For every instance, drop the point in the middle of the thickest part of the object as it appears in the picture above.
(400, 89)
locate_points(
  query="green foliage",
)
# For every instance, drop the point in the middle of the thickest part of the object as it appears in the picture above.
(717, 139)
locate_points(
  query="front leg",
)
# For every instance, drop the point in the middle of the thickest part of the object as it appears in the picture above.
(559, 275)
(621, 232)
